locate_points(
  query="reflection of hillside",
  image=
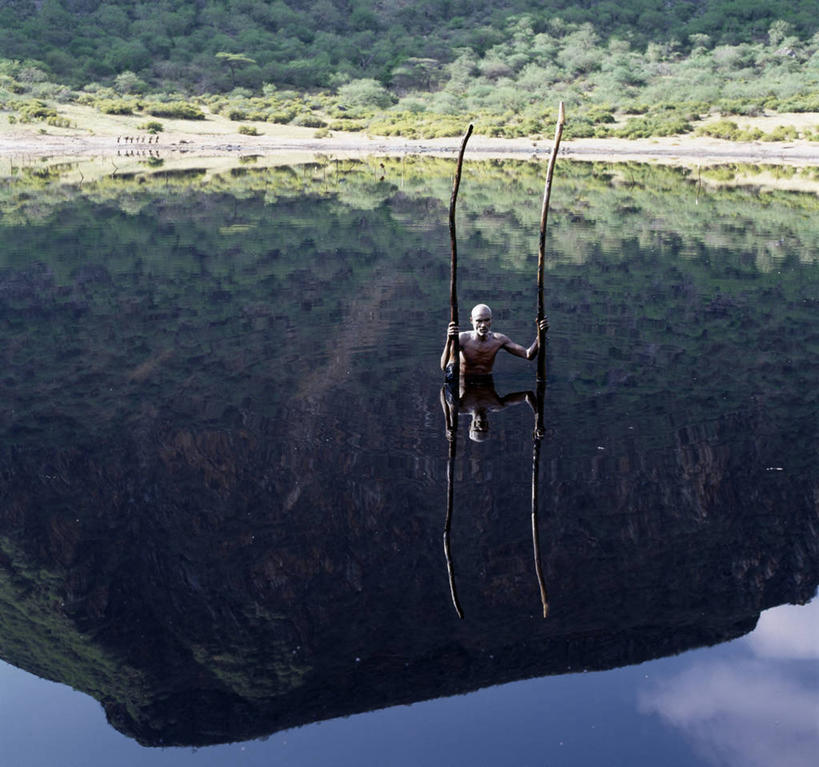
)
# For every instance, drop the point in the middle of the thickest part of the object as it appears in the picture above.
(215, 536)
(238, 578)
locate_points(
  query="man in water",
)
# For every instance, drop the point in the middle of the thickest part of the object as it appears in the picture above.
(480, 346)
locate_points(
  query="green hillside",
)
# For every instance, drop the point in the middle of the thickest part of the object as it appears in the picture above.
(417, 69)
(319, 43)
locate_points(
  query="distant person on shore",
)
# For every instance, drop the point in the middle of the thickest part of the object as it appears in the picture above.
(480, 346)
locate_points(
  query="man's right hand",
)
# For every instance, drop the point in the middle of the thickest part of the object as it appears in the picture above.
(452, 330)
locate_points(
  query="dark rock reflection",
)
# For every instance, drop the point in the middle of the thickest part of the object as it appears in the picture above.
(211, 584)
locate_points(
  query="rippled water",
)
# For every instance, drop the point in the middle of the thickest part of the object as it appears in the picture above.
(226, 473)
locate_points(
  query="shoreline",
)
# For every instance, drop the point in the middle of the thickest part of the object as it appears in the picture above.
(679, 150)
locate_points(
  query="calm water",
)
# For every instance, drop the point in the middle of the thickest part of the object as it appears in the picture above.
(226, 473)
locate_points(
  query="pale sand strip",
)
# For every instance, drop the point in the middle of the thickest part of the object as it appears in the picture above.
(671, 150)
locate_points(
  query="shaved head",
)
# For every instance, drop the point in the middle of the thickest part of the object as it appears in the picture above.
(481, 319)
(481, 308)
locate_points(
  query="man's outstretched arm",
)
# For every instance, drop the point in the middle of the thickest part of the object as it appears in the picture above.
(531, 352)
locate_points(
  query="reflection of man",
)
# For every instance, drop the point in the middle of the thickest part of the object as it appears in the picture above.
(478, 398)
(480, 346)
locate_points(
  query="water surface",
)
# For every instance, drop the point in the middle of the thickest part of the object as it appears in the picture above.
(226, 471)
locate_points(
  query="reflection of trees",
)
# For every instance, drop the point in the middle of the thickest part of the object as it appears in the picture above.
(604, 201)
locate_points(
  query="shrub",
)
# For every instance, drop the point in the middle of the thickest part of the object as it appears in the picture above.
(740, 107)
(152, 126)
(128, 82)
(115, 107)
(59, 122)
(782, 133)
(730, 131)
(33, 111)
(248, 130)
(750, 134)
(32, 74)
(800, 104)
(237, 115)
(282, 118)
(600, 115)
(322, 133)
(726, 129)
(348, 125)
(654, 125)
(180, 110)
(52, 91)
(309, 121)
(364, 93)
(414, 105)
(579, 128)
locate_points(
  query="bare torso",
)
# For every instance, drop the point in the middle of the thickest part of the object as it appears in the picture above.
(478, 352)
(480, 346)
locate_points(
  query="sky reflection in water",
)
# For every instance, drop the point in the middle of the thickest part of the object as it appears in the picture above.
(761, 708)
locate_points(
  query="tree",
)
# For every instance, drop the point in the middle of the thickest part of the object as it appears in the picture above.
(232, 60)
(128, 82)
(778, 32)
(364, 93)
(417, 74)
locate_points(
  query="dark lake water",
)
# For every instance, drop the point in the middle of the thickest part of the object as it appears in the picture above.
(225, 473)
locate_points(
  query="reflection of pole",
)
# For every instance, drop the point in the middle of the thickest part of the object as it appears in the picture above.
(452, 435)
(453, 266)
(541, 334)
(538, 437)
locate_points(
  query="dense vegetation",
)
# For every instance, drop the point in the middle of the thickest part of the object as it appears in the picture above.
(323, 42)
(416, 69)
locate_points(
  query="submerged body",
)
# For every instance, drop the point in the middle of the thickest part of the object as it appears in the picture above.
(481, 345)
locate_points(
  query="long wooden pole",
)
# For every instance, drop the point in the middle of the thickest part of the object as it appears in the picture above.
(450, 504)
(453, 268)
(541, 254)
(538, 436)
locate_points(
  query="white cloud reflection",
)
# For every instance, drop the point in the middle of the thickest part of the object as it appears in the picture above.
(788, 632)
(756, 711)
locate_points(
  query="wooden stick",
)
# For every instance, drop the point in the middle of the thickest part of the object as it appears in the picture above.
(453, 268)
(538, 436)
(451, 417)
(541, 253)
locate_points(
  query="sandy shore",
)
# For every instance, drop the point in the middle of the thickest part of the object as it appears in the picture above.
(671, 150)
